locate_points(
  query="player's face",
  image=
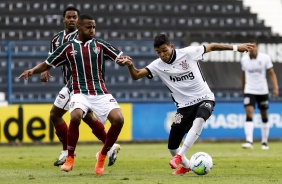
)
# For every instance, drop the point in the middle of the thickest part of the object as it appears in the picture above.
(254, 51)
(70, 20)
(164, 52)
(87, 29)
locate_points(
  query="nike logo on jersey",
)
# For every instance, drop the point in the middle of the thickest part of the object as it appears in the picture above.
(189, 76)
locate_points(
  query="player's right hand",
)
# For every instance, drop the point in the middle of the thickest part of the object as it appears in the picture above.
(26, 74)
(45, 76)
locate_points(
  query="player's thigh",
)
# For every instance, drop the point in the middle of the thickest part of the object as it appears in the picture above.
(106, 107)
(263, 102)
(62, 99)
(80, 101)
(116, 117)
(249, 104)
(89, 118)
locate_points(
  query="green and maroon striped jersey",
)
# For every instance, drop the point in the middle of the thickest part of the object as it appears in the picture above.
(59, 39)
(85, 62)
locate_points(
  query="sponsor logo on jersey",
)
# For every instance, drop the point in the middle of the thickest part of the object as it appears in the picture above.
(73, 52)
(188, 76)
(184, 65)
(197, 100)
(178, 118)
(96, 50)
(255, 71)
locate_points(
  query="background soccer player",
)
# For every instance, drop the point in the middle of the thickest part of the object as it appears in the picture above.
(180, 71)
(255, 65)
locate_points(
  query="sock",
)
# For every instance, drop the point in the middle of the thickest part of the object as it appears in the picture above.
(185, 161)
(73, 134)
(62, 132)
(192, 135)
(249, 129)
(98, 129)
(112, 136)
(264, 132)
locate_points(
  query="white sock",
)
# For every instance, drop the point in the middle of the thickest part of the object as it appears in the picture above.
(192, 135)
(249, 129)
(185, 161)
(264, 132)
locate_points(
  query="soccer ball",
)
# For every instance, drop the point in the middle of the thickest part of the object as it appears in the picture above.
(201, 163)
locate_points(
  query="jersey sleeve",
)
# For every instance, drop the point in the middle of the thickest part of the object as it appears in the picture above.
(269, 64)
(52, 46)
(110, 51)
(153, 69)
(242, 63)
(195, 52)
(58, 57)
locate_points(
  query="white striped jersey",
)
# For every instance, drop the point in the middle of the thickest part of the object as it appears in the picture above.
(183, 76)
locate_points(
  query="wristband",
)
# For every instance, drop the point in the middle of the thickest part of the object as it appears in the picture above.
(235, 48)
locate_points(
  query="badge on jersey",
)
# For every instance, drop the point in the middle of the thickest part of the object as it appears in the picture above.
(184, 65)
(96, 50)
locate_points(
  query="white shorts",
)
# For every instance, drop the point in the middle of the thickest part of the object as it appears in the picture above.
(63, 98)
(101, 105)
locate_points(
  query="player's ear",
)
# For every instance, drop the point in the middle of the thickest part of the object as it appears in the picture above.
(172, 46)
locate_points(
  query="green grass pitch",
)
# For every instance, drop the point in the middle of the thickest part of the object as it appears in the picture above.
(142, 163)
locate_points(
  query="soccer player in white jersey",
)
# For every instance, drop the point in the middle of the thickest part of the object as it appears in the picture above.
(61, 103)
(180, 71)
(255, 65)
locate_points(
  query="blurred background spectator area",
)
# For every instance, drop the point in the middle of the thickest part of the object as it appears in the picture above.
(28, 26)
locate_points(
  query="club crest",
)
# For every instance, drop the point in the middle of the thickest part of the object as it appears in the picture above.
(96, 50)
(184, 65)
(177, 119)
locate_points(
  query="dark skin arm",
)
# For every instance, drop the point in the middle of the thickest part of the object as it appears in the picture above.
(273, 79)
(243, 81)
(41, 67)
(220, 47)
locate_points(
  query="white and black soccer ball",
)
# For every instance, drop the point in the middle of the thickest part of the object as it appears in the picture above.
(201, 163)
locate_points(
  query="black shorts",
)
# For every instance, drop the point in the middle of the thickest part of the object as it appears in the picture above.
(184, 117)
(260, 100)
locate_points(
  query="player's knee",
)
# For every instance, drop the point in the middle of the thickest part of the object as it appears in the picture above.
(117, 121)
(264, 120)
(249, 118)
(76, 117)
(205, 110)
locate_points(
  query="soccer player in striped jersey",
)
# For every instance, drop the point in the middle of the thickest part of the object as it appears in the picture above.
(84, 58)
(180, 71)
(61, 104)
(255, 66)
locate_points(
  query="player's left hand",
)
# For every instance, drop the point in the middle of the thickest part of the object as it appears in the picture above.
(245, 47)
(26, 74)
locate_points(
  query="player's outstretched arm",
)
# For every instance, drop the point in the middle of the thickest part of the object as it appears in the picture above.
(245, 47)
(37, 69)
(134, 72)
